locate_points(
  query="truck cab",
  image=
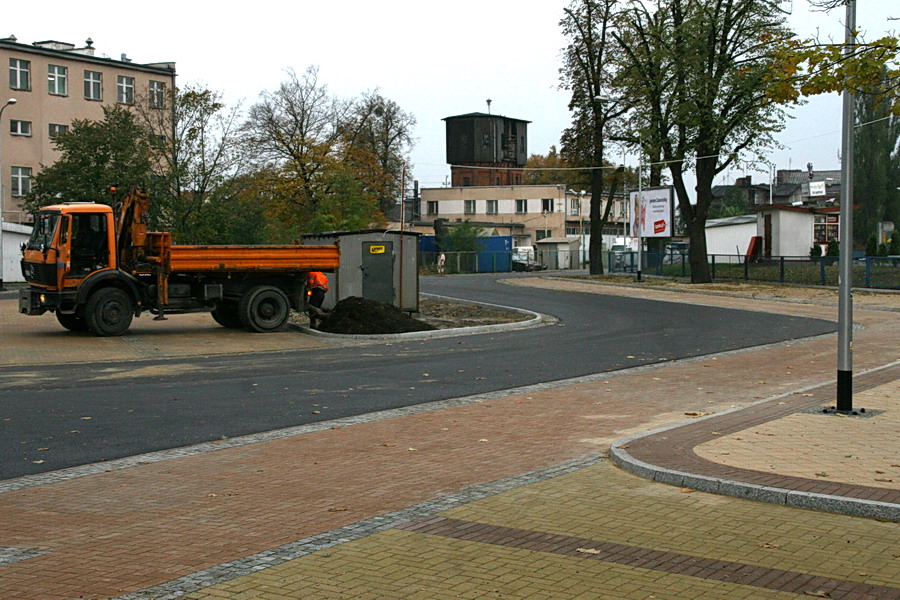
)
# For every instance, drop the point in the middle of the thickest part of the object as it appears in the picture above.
(69, 242)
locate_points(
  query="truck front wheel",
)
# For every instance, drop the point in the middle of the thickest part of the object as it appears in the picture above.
(264, 308)
(108, 312)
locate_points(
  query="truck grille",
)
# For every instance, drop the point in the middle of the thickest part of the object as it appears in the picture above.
(39, 273)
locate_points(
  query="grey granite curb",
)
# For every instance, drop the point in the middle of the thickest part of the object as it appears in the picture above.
(857, 507)
(536, 320)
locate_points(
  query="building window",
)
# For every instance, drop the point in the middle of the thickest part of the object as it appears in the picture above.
(492, 207)
(825, 229)
(21, 181)
(469, 207)
(19, 127)
(467, 181)
(19, 74)
(93, 85)
(58, 80)
(574, 207)
(125, 90)
(431, 207)
(521, 206)
(540, 234)
(547, 205)
(572, 230)
(56, 129)
(157, 94)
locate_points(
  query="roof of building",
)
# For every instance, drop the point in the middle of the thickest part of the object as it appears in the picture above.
(728, 221)
(331, 234)
(557, 240)
(484, 115)
(85, 54)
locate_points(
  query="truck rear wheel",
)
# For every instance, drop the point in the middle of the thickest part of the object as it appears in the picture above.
(264, 308)
(72, 322)
(226, 315)
(108, 312)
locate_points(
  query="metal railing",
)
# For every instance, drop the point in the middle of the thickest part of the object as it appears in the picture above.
(869, 271)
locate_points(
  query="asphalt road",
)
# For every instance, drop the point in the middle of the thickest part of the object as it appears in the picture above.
(78, 414)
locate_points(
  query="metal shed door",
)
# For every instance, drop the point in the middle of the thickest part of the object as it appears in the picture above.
(378, 271)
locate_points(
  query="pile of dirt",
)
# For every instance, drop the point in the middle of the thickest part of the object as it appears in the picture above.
(360, 316)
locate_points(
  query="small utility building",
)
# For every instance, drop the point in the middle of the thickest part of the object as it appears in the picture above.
(376, 264)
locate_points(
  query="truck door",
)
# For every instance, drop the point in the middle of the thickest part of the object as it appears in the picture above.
(378, 271)
(89, 247)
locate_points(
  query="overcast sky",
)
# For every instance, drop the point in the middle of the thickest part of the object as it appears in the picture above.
(435, 59)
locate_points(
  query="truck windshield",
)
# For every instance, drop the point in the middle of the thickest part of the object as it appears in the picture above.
(44, 227)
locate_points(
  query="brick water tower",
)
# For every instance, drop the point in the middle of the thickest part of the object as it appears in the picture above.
(486, 150)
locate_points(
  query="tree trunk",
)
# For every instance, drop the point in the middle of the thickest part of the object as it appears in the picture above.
(595, 251)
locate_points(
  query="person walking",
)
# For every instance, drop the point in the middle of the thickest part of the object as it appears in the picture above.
(440, 263)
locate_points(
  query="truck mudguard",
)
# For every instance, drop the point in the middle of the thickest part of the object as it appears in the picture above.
(130, 284)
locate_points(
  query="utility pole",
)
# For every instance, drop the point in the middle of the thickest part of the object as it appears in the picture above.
(845, 229)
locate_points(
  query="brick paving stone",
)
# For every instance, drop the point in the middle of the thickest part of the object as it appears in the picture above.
(144, 525)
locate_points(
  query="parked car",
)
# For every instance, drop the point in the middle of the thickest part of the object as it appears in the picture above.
(618, 256)
(676, 253)
(526, 264)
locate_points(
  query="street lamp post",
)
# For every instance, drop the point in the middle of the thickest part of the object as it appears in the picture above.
(2, 198)
(845, 260)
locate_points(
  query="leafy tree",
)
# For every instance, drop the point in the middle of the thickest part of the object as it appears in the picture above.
(733, 204)
(199, 155)
(553, 169)
(894, 247)
(871, 245)
(462, 237)
(697, 75)
(589, 67)
(875, 159)
(93, 156)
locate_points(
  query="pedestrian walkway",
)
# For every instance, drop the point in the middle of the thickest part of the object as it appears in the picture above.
(506, 496)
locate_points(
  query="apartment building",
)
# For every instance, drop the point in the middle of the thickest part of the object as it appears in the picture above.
(49, 85)
(528, 213)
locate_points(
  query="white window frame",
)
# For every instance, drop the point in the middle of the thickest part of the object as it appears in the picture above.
(521, 206)
(125, 89)
(469, 207)
(93, 86)
(21, 181)
(574, 207)
(546, 205)
(22, 128)
(59, 127)
(431, 207)
(58, 80)
(20, 74)
(492, 207)
(157, 94)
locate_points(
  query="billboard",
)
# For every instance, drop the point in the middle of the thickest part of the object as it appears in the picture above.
(652, 213)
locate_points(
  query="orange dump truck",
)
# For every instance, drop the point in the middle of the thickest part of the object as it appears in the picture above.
(96, 269)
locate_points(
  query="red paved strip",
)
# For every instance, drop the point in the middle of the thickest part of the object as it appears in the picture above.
(656, 560)
(674, 448)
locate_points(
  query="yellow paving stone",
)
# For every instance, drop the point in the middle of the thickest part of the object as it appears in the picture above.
(442, 565)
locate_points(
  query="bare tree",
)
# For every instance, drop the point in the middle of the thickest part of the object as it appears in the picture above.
(379, 127)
